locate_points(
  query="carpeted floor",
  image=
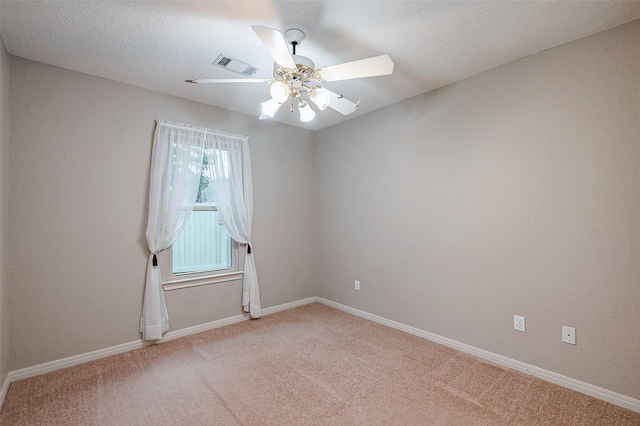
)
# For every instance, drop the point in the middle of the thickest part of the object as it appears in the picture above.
(312, 365)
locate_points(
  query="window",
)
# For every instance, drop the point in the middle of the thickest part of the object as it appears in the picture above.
(204, 250)
(203, 246)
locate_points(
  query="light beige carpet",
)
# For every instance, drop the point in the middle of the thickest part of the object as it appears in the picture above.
(312, 365)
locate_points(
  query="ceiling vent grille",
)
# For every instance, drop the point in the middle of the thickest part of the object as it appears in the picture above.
(228, 63)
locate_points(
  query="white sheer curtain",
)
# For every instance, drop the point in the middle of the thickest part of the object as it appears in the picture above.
(230, 168)
(176, 165)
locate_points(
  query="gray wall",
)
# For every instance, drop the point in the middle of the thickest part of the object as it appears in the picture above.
(516, 191)
(4, 147)
(79, 161)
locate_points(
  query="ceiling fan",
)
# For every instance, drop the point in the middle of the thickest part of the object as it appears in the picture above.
(296, 75)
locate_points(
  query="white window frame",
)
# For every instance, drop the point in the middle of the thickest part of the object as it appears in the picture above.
(171, 281)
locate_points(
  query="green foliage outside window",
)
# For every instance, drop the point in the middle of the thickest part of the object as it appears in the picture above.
(204, 179)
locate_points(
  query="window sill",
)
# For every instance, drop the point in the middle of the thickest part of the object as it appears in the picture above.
(198, 281)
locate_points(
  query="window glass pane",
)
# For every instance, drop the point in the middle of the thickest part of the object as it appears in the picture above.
(204, 245)
(205, 195)
(205, 190)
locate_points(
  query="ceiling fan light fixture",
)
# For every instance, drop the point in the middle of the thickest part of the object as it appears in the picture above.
(321, 97)
(279, 92)
(270, 108)
(306, 113)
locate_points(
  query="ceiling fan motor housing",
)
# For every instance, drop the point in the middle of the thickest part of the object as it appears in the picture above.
(298, 78)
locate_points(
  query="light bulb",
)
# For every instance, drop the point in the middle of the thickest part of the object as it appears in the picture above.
(269, 109)
(321, 97)
(306, 113)
(279, 92)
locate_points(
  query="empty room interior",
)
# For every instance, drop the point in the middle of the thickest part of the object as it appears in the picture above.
(414, 212)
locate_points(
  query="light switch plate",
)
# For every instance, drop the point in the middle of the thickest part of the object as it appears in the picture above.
(569, 335)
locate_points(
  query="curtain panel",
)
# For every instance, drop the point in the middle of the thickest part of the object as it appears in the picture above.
(176, 166)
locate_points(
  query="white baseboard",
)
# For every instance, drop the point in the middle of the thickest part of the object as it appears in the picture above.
(564, 381)
(290, 305)
(4, 390)
(170, 335)
(58, 364)
(567, 382)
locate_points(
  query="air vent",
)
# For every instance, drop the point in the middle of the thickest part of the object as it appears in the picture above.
(228, 63)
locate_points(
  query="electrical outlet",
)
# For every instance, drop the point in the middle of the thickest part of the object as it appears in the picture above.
(357, 286)
(569, 335)
(518, 323)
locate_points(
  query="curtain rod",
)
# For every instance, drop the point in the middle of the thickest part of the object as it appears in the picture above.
(202, 129)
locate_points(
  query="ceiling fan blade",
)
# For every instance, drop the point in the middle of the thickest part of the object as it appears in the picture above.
(229, 80)
(370, 67)
(341, 104)
(277, 46)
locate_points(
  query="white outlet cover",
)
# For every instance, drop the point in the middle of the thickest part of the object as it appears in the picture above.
(569, 335)
(518, 323)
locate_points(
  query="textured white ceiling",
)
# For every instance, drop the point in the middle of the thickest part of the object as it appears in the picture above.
(158, 45)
